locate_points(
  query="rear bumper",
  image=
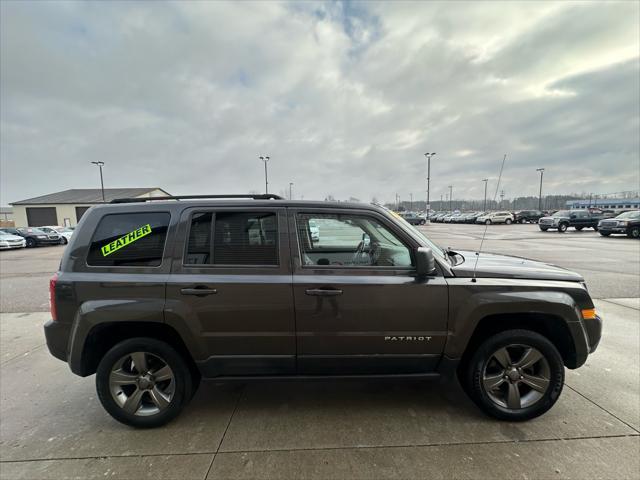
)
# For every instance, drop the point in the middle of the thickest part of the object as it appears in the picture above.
(57, 335)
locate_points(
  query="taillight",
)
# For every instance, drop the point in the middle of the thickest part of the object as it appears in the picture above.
(52, 296)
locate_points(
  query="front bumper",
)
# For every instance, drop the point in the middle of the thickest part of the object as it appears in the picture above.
(594, 332)
(613, 229)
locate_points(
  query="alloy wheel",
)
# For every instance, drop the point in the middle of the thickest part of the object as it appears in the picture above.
(516, 376)
(142, 384)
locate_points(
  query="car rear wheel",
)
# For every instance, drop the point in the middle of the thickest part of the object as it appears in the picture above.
(487, 222)
(515, 375)
(143, 382)
(30, 243)
(562, 227)
(508, 221)
(634, 232)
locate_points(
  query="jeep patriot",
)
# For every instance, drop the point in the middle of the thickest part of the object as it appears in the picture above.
(154, 294)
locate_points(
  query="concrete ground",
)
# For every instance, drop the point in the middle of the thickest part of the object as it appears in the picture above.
(52, 425)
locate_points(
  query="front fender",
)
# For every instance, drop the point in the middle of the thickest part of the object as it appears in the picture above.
(470, 302)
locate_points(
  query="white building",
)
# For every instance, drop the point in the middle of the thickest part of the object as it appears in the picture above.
(67, 207)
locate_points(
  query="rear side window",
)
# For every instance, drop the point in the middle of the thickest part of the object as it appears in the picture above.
(235, 238)
(129, 240)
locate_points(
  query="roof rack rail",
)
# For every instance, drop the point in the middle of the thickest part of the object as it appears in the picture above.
(256, 196)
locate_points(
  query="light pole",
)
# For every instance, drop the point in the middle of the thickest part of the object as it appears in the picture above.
(411, 202)
(484, 205)
(100, 165)
(428, 206)
(450, 198)
(266, 181)
(541, 170)
(290, 191)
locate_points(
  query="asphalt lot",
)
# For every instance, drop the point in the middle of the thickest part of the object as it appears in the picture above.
(52, 425)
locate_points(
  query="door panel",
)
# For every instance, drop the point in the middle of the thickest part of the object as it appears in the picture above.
(242, 315)
(366, 320)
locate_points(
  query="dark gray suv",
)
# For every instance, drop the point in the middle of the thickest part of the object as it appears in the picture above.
(153, 295)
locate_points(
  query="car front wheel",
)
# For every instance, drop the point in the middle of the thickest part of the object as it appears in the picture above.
(143, 382)
(515, 375)
(634, 232)
(487, 222)
(508, 221)
(562, 227)
(63, 241)
(30, 243)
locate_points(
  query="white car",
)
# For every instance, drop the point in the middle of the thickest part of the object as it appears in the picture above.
(315, 231)
(496, 217)
(64, 232)
(8, 241)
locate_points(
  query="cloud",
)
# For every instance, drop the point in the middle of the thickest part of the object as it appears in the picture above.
(345, 97)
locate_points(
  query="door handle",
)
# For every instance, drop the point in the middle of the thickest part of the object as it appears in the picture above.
(322, 292)
(198, 291)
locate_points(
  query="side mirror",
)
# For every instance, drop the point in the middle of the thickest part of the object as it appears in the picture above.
(425, 261)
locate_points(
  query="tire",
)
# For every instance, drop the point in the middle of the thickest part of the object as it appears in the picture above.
(523, 221)
(30, 243)
(172, 393)
(579, 228)
(422, 222)
(595, 229)
(487, 222)
(544, 229)
(633, 232)
(562, 227)
(63, 241)
(508, 221)
(546, 373)
(605, 234)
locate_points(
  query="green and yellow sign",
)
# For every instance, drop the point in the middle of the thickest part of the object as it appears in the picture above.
(125, 240)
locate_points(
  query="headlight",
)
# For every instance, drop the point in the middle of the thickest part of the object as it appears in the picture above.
(623, 223)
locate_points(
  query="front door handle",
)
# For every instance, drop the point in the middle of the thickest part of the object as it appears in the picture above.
(322, 292)
(198, 291)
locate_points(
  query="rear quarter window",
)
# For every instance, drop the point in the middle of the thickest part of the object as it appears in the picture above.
(129, 240)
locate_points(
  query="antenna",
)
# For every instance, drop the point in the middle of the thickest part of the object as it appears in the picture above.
(475, 266)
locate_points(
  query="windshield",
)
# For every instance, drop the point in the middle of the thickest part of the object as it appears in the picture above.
(36, 231)
(561, 213)
(624, 215)
(435, 248)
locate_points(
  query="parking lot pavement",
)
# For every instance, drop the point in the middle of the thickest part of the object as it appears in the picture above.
(52, 425)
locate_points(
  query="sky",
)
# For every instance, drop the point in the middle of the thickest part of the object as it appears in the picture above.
(345, 97)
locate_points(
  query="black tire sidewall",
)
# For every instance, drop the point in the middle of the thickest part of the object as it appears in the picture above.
(477, 363)
(562, 227)
(30, 243)
(631, 234)
(182, 375)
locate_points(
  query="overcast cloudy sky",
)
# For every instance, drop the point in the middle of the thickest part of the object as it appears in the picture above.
(345, 97)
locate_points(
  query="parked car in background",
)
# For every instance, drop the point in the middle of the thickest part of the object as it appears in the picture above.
(9, 241)
(528, 216)
(627, 223)
(64, 232)
(472, 217)
(314, 229)
(413, 218)
(578, 219)
(33, 236)
(496, 217)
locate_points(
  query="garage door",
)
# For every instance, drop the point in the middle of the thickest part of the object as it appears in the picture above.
(39, 216)
(80, 211)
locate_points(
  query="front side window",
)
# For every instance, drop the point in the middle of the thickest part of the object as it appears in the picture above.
(233, 238)
(129, 240)
(349, 241)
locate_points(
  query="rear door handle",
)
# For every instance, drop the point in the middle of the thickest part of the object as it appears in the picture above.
(322, 292)
(198, 291)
